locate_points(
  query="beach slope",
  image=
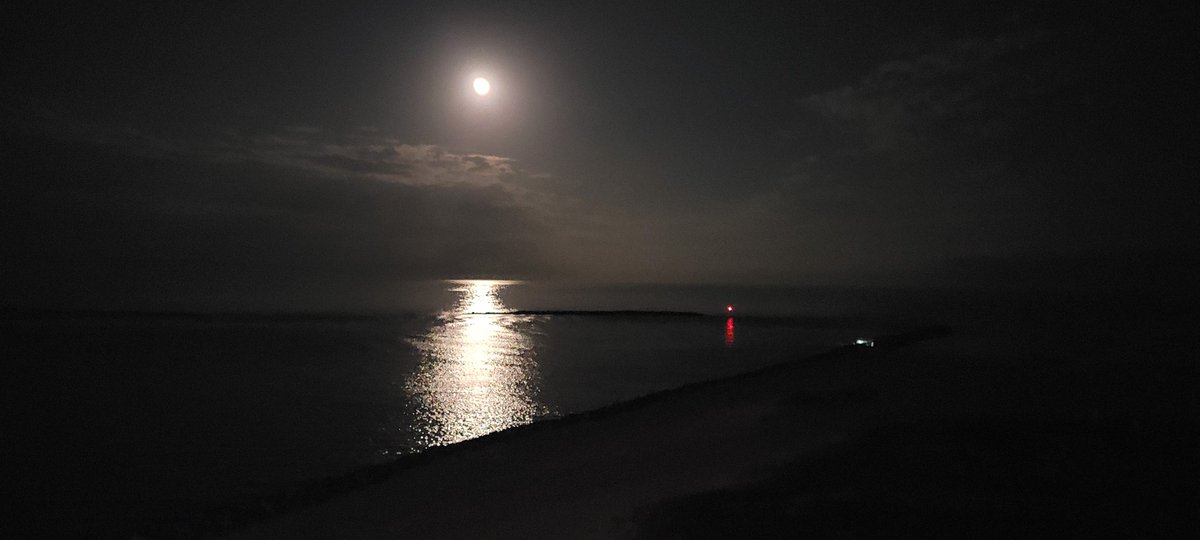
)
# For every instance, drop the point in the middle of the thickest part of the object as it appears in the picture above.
(913, 437)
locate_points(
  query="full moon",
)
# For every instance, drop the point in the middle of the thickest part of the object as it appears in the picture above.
(482, 86)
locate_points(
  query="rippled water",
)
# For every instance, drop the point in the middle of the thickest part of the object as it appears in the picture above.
(150, 413)
(482, 367)
(478, 371)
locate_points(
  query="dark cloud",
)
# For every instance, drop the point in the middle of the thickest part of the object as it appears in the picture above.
(277, 222)
(340, 162)
(967, 94)
(316, 154)
(383, 159)
(1012, 145)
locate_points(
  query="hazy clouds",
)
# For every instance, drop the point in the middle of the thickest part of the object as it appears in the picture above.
(183, 156)
(296, 216)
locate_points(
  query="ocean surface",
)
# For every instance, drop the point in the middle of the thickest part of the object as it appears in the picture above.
(130, 417)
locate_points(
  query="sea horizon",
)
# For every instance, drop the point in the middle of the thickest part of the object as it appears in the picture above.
(248, 402)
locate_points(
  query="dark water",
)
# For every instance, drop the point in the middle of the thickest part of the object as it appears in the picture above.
(125, 418)
(117, 423)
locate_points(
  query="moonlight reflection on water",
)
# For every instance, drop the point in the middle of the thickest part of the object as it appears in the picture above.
(477, 372)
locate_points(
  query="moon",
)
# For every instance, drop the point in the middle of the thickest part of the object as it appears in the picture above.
(482, 86)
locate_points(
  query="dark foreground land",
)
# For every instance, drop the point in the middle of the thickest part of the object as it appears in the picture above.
(995, 431)
(1031, 421)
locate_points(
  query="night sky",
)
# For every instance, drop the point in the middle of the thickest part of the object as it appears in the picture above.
(222, 155)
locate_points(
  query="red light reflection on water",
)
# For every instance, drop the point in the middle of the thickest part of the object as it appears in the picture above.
(729, 332)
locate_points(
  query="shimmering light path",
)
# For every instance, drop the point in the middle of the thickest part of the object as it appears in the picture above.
(478, 371)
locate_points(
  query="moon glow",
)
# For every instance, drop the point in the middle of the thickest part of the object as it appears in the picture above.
(482, 86)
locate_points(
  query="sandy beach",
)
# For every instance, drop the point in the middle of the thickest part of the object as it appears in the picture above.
(929, 435)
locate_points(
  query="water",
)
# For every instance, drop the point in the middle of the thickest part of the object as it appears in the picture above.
(147, 414)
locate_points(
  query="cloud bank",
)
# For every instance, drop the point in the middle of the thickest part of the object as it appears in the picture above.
(300, 218)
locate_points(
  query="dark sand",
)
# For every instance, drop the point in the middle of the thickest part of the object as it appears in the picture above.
(998, 433)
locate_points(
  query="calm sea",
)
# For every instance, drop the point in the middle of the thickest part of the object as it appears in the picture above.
(144, 414)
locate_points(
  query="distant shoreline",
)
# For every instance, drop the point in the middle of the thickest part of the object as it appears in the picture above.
(239, 316)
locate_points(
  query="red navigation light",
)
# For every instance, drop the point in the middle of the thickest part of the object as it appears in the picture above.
(729, 309)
